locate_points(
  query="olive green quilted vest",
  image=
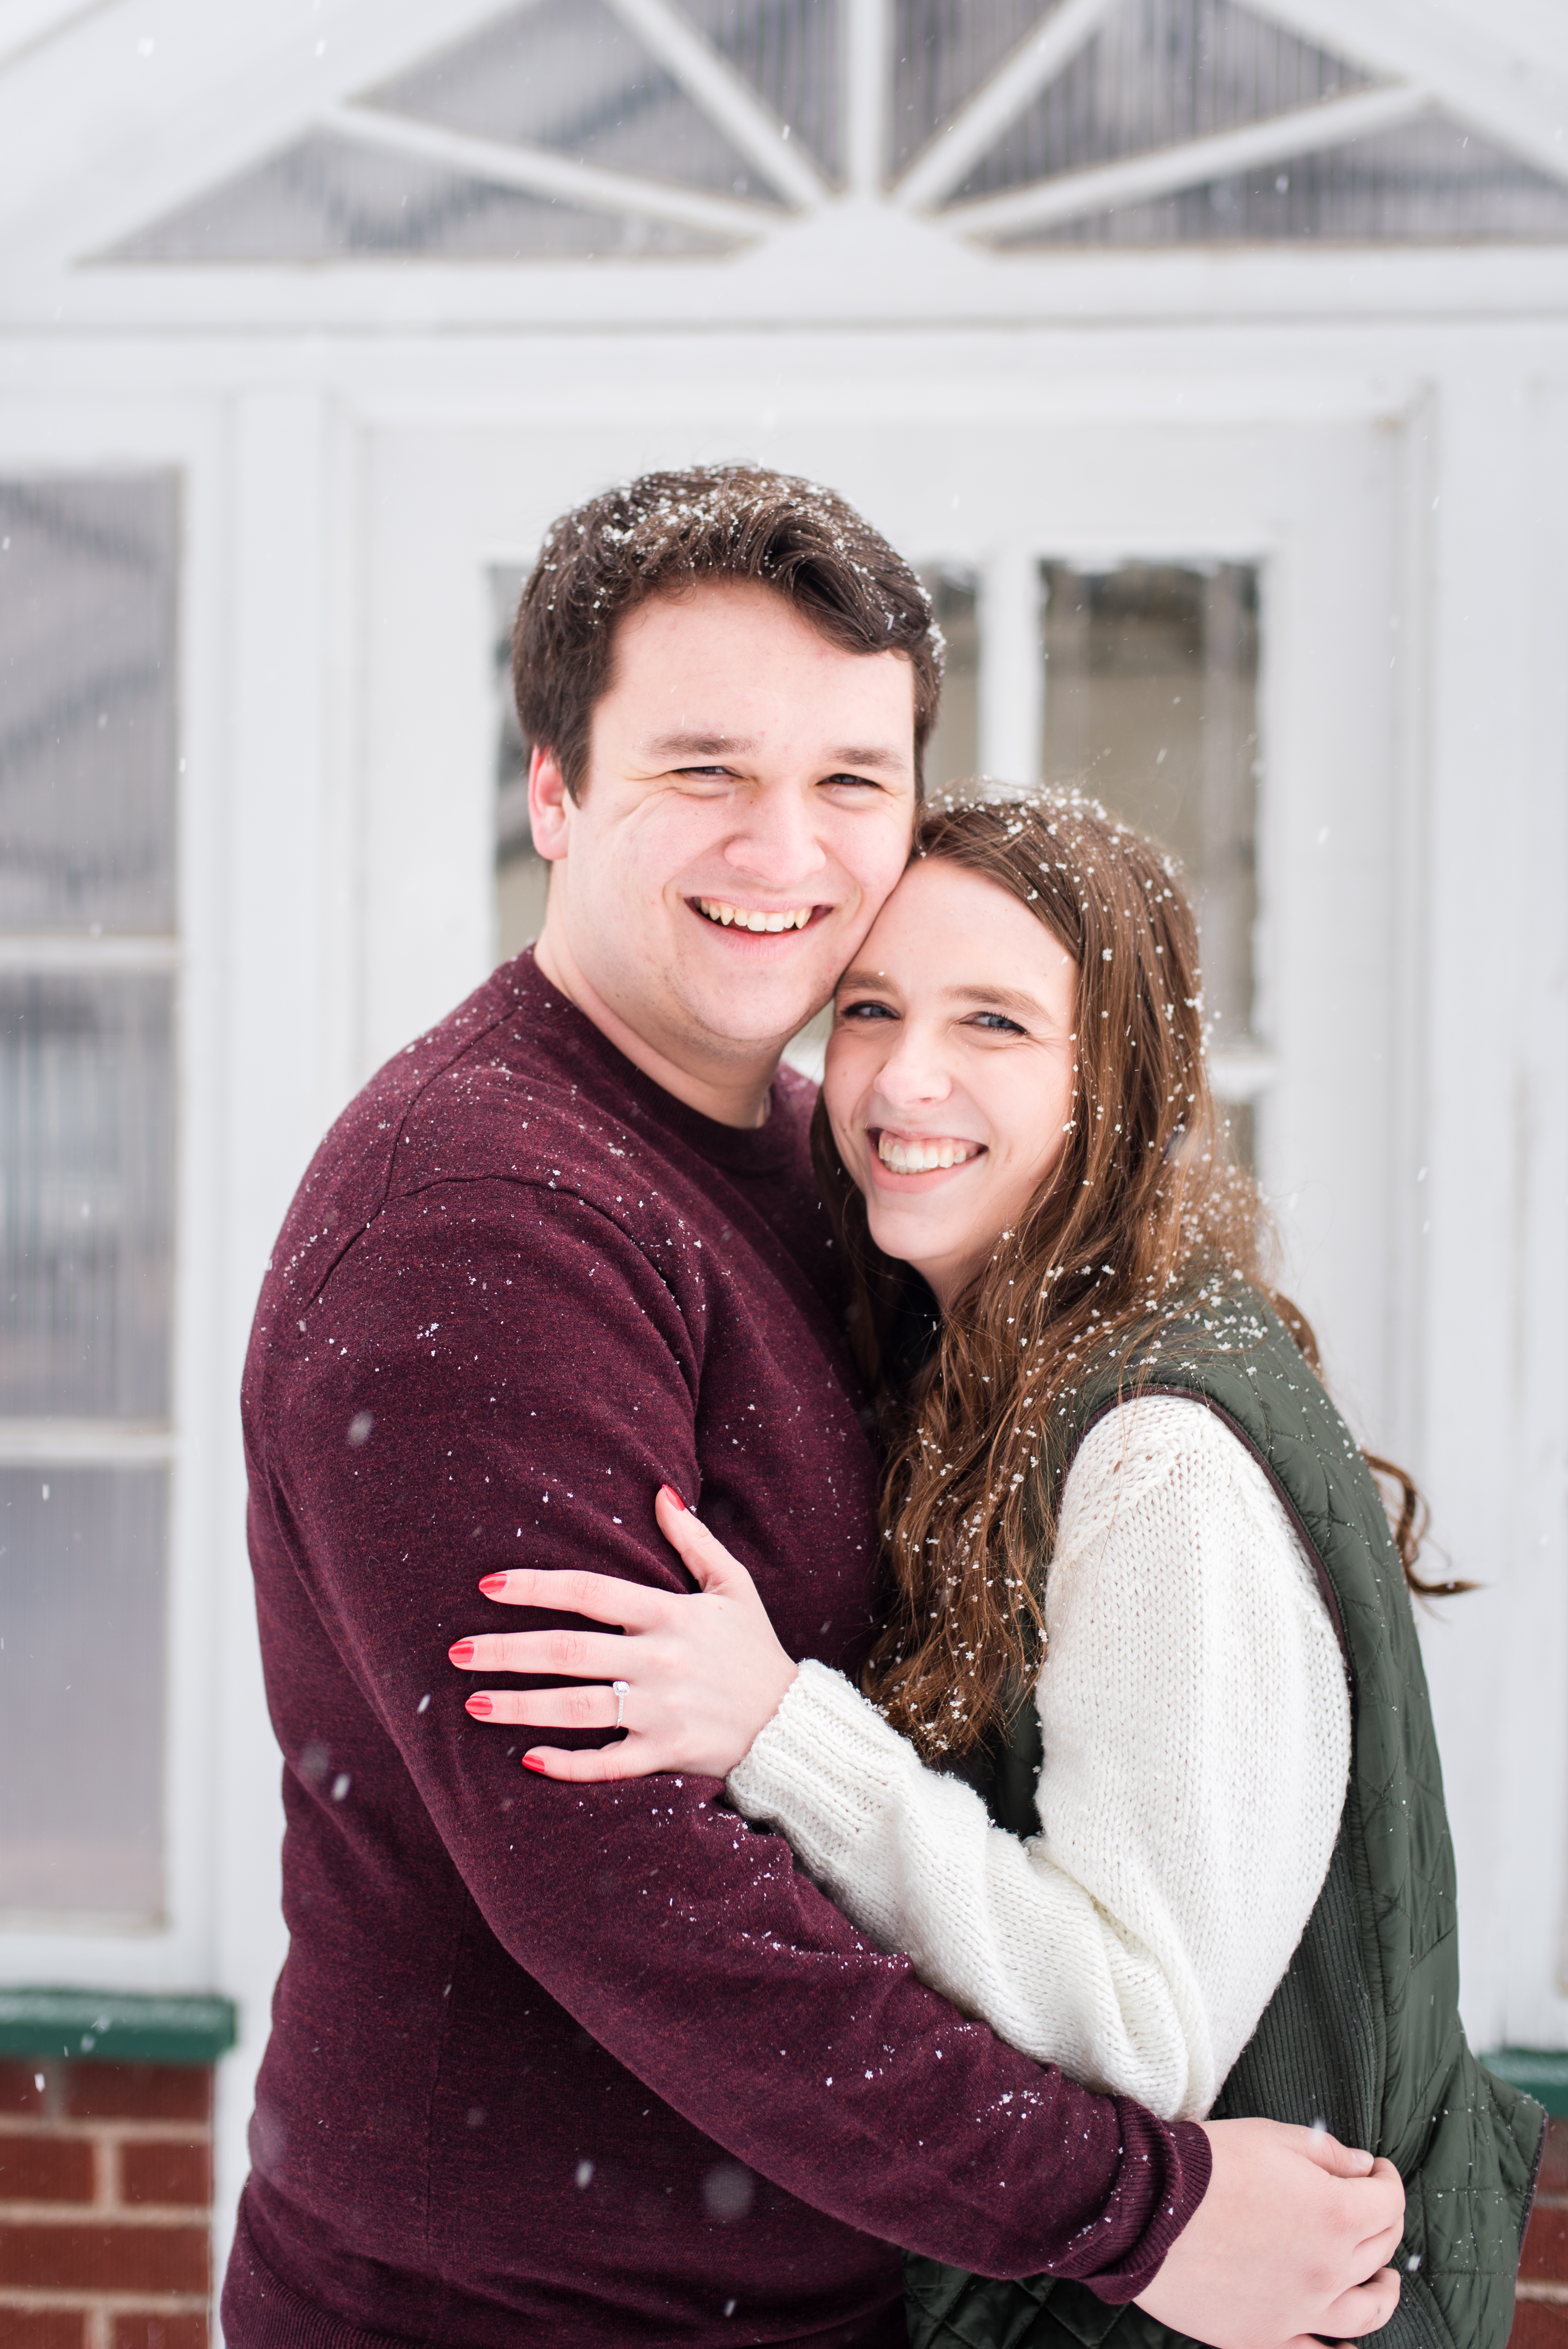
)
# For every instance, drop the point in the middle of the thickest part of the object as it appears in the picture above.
(1364, 2031)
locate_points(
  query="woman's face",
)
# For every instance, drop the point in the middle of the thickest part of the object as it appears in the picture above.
(949, 1075)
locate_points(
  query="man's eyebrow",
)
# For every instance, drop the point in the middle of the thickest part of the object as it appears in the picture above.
(736, 746)
(698, 746)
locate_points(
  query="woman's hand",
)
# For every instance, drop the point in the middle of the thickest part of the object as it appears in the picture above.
(693, 1680)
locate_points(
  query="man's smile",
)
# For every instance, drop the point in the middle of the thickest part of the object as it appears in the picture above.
(757, 919)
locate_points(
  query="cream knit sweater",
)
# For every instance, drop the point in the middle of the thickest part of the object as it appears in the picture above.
(1196, 1745)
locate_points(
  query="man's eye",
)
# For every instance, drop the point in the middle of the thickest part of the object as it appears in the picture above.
(853, 783)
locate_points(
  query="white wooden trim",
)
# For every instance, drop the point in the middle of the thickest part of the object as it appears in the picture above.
(1012, 686)
(28, 26)
(1498, 85)
(76, 950)
(1537, 29)
(1242, 1075)
(85, 120)
(722, 94)
(868, 91)
(85, 109)
(1138, 179)
(1037, 60)
(539, 173)
(84, 1444)
(222, 327)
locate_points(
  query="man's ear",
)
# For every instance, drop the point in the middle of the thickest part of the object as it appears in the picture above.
(550, 805)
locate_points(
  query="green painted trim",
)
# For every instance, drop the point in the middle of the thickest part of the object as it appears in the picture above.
(1540, 2072)
(115, 2027)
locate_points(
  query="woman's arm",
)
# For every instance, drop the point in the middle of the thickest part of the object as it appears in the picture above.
(1196, 1730)
(1197, 1738)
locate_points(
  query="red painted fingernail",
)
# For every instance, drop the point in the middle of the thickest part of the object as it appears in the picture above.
(530, 1763)
(479, 1706)
(492, 1585)
(670, 1493)
(462, 1651)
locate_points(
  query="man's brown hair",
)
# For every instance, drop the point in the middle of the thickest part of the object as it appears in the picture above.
(659, 535)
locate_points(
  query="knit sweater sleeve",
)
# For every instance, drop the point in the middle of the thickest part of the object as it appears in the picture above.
(1196, 1745)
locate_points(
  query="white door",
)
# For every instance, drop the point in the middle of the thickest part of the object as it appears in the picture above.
(1305, 516)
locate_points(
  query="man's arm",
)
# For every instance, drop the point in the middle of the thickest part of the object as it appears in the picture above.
(531, 1381)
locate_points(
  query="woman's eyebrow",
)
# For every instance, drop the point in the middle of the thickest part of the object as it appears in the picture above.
(994, 999)
(874, 754)
(997, 999)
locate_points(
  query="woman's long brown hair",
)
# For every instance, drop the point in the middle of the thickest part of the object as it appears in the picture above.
(1144, 1206)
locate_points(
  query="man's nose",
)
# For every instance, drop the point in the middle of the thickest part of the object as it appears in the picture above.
(776, 842)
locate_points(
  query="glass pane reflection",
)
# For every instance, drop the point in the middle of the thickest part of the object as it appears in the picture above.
(86, 1195)
(87, 704)
(82, 1626)
(1152, 703)
(953, 753)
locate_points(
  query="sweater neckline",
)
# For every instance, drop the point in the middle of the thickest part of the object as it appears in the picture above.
(588, 1052)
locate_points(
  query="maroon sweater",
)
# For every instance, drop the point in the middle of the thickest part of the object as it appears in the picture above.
(590, 2064)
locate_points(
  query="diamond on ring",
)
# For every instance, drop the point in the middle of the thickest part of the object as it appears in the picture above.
(622, 1689)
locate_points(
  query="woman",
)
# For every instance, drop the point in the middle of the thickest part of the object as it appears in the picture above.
(1227, 1886)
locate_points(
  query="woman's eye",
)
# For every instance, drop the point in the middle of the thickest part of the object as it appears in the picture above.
(996, 1023)
(871, 1011)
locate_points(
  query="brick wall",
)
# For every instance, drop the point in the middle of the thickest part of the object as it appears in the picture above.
(106, 2199)
(1542, 2321)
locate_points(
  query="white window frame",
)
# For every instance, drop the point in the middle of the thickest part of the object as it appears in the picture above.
(73, 439)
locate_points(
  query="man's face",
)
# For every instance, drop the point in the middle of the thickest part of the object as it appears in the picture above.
(747, 806)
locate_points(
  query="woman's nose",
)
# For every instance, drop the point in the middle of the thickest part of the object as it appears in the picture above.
(913, 1075)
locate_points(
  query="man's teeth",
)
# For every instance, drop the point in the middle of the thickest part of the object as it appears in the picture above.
(717, 911)
(920, 1157)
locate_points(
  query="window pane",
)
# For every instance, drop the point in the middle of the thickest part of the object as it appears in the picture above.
(1434, 182)
(1152, 703)
(953, 753)
(943, 50)
(789, 51)
(81, 1630)
(87, 704)
(86, 1195)
(331, 198)
(570, 75)
(1159, 73)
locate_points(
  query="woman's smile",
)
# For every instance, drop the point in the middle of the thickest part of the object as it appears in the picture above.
(907, 1154)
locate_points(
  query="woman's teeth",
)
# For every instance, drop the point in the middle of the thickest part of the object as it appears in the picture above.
(920, 1157)
(717, 911)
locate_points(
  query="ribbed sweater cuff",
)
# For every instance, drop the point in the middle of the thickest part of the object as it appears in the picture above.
(823, 1767)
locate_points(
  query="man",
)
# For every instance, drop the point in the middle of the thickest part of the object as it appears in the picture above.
(599, 2065)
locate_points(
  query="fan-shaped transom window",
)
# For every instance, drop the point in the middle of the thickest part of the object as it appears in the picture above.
(669, 129)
